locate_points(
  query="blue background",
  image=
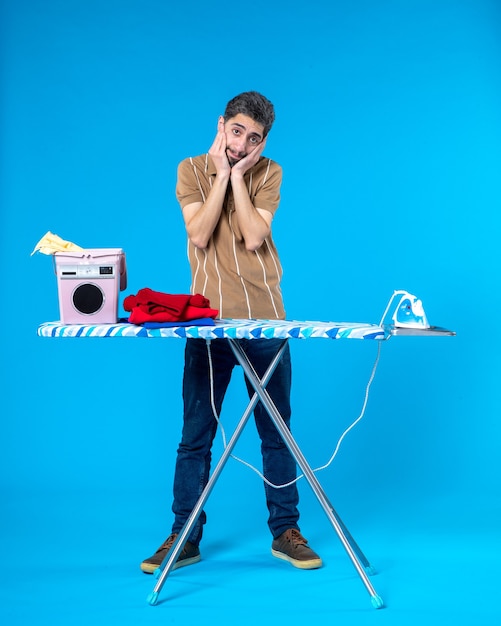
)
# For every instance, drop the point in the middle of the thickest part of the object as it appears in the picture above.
(389, 132)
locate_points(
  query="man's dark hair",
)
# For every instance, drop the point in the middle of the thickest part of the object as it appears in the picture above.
(255, 106)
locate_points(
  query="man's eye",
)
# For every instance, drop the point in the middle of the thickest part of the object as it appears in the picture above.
(236, 131)
(254, 140)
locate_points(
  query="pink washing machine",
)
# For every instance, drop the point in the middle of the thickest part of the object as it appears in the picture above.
(89, 283)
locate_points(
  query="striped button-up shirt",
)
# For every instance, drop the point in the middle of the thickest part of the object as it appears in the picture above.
(241, 284)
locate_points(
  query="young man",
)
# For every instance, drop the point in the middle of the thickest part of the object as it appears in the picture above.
(228, 199)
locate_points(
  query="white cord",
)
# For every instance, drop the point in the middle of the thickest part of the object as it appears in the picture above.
(340, 440)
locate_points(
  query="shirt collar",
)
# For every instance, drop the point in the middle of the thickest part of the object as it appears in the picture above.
(211, 168)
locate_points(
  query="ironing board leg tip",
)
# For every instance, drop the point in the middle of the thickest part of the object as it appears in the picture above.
(377, 602)
(152, 598)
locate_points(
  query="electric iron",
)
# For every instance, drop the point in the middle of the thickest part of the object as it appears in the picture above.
(408, 312)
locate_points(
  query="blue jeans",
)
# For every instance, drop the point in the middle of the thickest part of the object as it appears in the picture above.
(199, 428)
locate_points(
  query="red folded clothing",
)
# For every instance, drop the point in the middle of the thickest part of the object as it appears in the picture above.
(154, 306)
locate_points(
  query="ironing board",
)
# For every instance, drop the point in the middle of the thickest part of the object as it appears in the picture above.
(221, 329)
(233, 330)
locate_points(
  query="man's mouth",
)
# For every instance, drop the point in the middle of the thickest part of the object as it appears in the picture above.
(235, 156)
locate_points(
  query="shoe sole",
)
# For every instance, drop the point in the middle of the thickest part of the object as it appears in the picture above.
(311, 564)
(151, 568)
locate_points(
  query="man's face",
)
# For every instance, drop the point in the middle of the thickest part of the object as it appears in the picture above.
(243, 134)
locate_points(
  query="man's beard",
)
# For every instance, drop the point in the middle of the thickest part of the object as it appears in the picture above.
(233, 162)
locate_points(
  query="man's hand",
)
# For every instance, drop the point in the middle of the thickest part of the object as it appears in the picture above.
(248, 161)
(218, 151)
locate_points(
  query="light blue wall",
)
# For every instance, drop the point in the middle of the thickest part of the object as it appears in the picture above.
(389, 132)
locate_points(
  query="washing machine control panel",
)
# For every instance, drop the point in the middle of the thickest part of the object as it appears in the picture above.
(86, 271)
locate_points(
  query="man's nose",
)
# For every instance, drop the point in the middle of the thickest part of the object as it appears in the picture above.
(240, 144)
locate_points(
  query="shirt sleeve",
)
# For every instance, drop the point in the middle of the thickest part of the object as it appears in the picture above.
(188, 188)
(267, 193)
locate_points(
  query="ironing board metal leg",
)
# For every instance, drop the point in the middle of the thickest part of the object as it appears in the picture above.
(171, 558)
(361, 556)
(305, 468)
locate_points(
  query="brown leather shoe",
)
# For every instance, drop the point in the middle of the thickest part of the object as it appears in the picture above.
(292, 546)
(190, 554)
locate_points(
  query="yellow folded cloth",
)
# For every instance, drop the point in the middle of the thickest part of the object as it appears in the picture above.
(50, 243)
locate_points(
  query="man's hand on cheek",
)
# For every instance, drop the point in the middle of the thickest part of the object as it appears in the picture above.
(250, 160)
(218, 150)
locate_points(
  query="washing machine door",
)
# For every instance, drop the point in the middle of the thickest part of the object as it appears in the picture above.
(88, 298)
